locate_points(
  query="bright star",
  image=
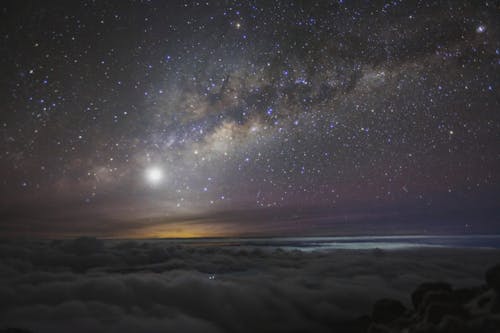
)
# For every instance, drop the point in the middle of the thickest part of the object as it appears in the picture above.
(480, 29)
(154, 175)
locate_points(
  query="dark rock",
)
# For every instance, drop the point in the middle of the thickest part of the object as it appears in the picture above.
(440, 309)
(418, 295)
(387, 310)
(493, 278)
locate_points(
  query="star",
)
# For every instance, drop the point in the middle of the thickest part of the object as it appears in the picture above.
(480, 29)
(284, 99)
(154, 175)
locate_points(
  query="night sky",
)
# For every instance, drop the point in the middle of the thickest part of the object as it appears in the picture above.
(239, 118)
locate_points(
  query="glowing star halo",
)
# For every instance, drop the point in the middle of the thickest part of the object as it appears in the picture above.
(154, 175)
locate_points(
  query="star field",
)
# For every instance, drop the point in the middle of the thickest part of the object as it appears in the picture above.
(226, 118)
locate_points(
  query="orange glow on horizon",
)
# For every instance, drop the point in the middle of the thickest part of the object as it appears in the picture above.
(183, 230)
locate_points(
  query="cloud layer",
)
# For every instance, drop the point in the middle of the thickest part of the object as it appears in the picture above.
(149, 286)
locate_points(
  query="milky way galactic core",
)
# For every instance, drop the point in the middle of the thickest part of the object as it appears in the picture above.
(183, 118)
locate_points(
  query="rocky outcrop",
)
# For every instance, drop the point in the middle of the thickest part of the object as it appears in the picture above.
(439, 308)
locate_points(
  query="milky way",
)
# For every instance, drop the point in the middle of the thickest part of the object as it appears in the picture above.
(150, 118)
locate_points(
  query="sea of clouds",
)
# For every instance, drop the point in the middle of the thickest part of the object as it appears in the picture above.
(88, 285)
